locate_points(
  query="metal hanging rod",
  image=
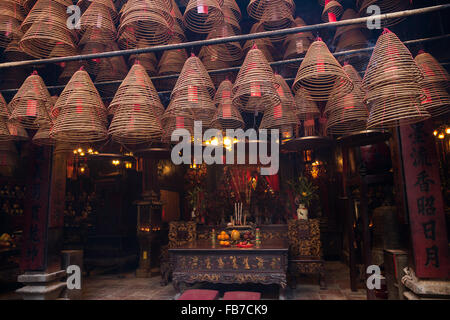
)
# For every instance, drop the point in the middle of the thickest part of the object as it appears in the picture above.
(235, 69)
(244, 37)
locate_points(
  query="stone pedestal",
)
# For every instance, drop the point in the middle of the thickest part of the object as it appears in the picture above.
(395, 261)
(42, 285)
(425, 289)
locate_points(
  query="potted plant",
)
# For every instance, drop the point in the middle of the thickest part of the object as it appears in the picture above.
(305, 192)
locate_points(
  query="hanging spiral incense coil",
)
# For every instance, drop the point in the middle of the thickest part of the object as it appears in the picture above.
(9, 30)
(176, 118)
(263, 44)
(48, 31)
(306, 109)
(230, 19)
(332, 11)
(82, 116)
(432, 70)
(194, 74)
(17, 132)
(230, 51)
(42, 136)
(142, 20)
(111, 69)
(70, 68)
(233, 6)
(348, 113)
(202, 16)
(257, 8)
(386, 6)
(281, 116)
(437, 101)
(297, 44)
(30, 102)
(136, 83)
(137, 109)
(255, 86)
(348, 14)
(107, 5)
(391, 63)
(278, 16)
(318, 74)
(351, 40)
(171, 62)
(211, 62)
(227, 115)
(92, 65)
(97, 18)
(51, 9)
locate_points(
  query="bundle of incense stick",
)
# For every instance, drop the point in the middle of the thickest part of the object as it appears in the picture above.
(238, 213)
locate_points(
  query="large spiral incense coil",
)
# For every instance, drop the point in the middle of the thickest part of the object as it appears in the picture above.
(107, 5)
(233, 6)
(230, 51)
(306, 109)
(29, 104)
(332, 11)
(227, 115)
(176, 118)
(211, 62)
(194, 74)
(282, 115)
(348, 113)
(137, 109)
(142, 20)
(297, 44)
(11, 16)
(230, 19)
(255, 86)
(318, 73)
(136, 83)
(50, 9)
(277, 16)
(386, 6)
(202, 16)
(16, 131)
(82, 116)
(171, 62)
(97, 18)
(258, 8)
(91, 47)
(351, 40)
(348, 14)
(437, 101)
(111, 69)
(69, 69)
(42, 136)
(48, 31)
(432, 70)
(391, 63)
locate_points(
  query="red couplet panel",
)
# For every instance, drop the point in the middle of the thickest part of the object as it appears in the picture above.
(425, 203)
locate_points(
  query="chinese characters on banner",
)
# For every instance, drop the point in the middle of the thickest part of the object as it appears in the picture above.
(36, 211)
(425, 204)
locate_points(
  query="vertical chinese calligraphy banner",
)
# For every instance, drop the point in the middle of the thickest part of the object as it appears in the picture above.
(425, 204)
(33, 256)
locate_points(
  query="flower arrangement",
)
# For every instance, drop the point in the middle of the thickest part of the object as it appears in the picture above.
(304, 190)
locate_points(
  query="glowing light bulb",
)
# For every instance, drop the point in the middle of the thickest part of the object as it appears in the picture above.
(80, 150)
(441, 136)
(447, 131)
(226, 141)
(75, 151)
(82, 154)
(435, 132)
(215, 141)
(90, 150)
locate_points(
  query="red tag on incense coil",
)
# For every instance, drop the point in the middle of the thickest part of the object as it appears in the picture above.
(137, 107)
(99, 21)
(179, 122)
(8, 29)
(428, 96)
(278, 111)
(331, 17)
(31, 108)
(255, 90)
(226, 110)
(280, 92)
(201, 7)
(320, 65)
(79, 107)
(226, 97)
(192, 94)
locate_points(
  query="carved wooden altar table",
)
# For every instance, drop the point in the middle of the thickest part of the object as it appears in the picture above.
(200, 261)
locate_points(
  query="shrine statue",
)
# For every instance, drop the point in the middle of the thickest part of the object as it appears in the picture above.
(302, 212)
